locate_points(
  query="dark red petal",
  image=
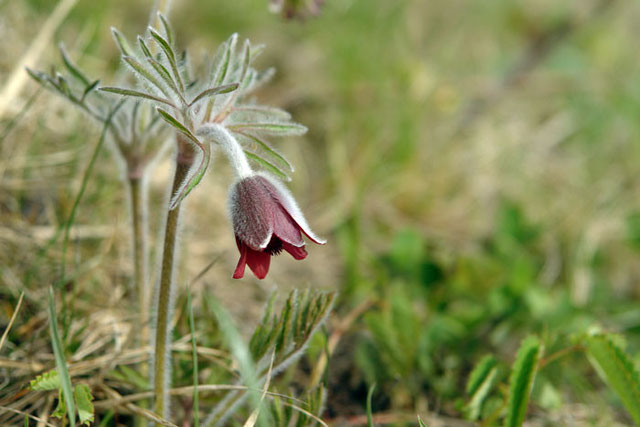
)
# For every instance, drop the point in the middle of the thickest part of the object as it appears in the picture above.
(239, 273)
(252, 210)
(286, 228)
(258, 262)
(295, 251)
(287, 204)
(311, 238)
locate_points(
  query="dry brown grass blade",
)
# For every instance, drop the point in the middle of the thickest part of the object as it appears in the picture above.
(305, 412)
(33, 417)
(183, 391)
(18, 76)
(13, 318)
(253, 418)
(138, 410)
(342, 327)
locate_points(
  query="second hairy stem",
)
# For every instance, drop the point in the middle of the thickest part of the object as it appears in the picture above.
(139, 225)
(139, 239)
(184, 161)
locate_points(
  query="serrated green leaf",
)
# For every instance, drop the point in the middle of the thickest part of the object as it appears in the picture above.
(214, 91)
(61, 363)
(267, 165)
(48, 381)
(480, 372)
(285, 329)
(522, 375)
(135, 94)
(617, 369)
(71, 67)
(260, 335)
(83, 398)
(273, 128)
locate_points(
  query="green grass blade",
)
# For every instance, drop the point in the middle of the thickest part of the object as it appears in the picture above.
(480, 383)
(194, 354)
(239, 350)
(522, 375)
(61, 363)
(474, 408)
(107, 418)
(617, 369)
(369, 410)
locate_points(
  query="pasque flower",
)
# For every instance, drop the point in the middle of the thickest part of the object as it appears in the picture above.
(266, 218)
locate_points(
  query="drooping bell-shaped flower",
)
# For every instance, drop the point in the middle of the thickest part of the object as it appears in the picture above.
(266, 220)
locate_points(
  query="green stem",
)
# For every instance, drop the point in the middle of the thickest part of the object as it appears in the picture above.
(184, 161)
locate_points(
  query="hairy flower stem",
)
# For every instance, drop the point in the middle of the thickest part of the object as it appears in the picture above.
(140, 277)
(184, 161)
(139, 225)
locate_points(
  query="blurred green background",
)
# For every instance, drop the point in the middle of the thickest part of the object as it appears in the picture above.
(474, 165)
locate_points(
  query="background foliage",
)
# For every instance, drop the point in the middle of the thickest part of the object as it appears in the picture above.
(474, 165)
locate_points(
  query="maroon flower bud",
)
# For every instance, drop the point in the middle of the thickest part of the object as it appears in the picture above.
(290, 9)
(266, 220)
